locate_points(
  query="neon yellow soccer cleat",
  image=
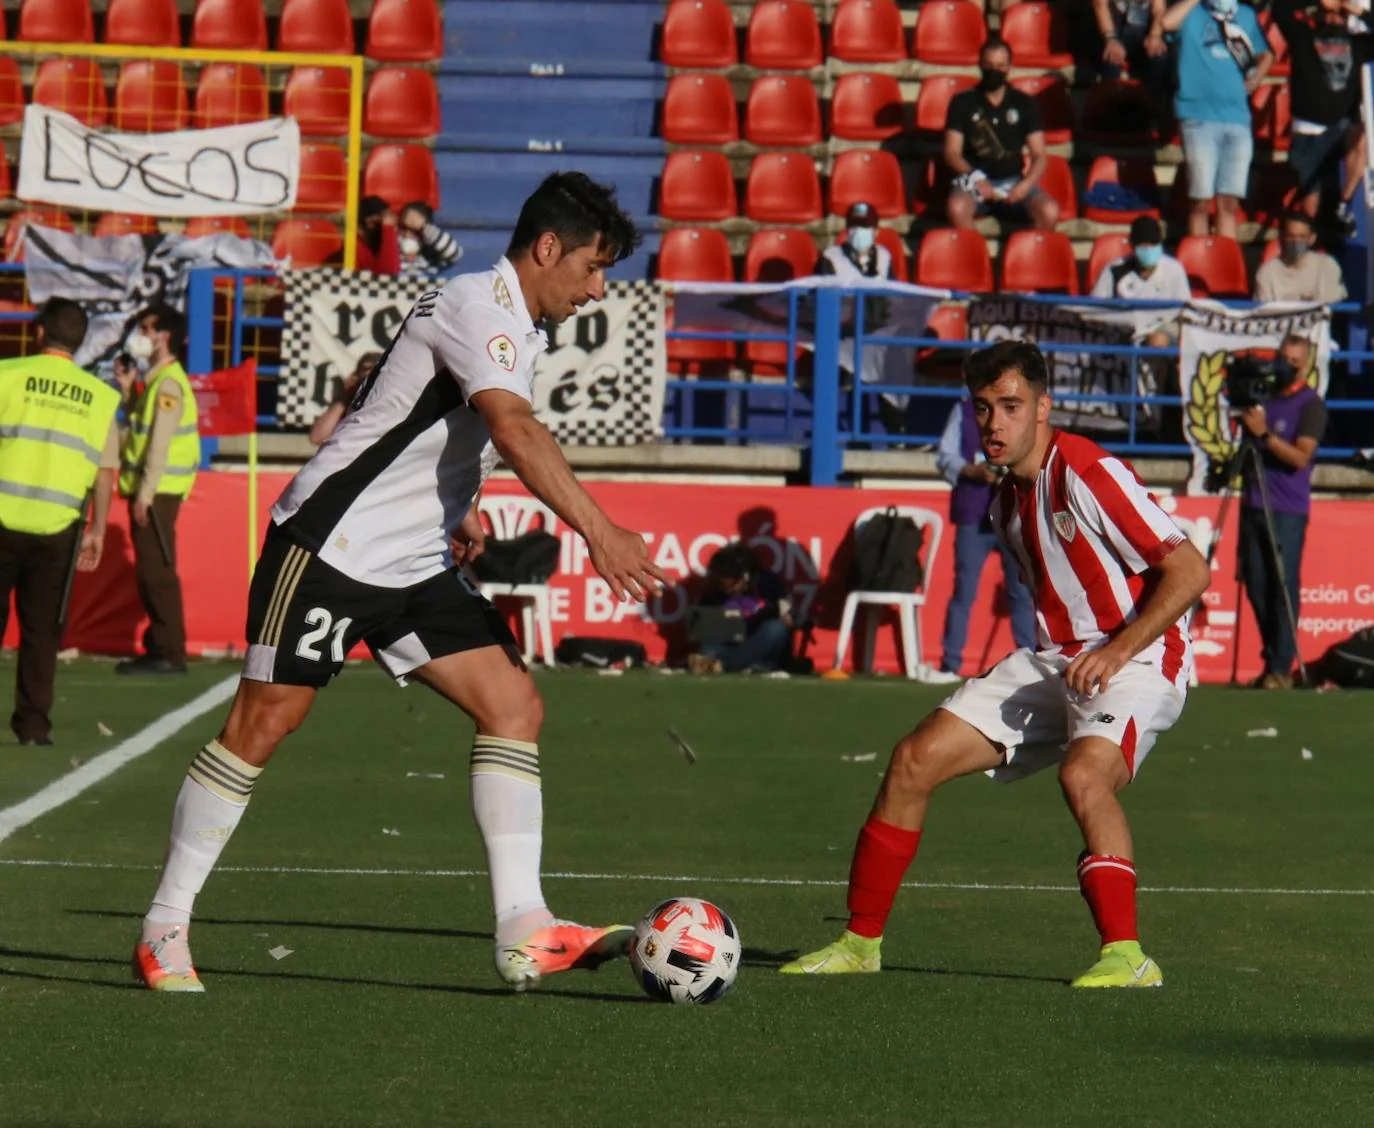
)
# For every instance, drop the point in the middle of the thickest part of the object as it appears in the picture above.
(1122, 964)
(851, 954)
(559, 946)
(163, 962)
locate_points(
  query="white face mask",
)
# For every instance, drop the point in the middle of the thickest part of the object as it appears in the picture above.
(410, 246)
(139, 346)
(862, 239)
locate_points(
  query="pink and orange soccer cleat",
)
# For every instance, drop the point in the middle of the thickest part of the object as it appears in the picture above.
(162, 960)
(560, 945)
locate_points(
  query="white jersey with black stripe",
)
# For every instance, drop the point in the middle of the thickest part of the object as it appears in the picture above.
(379, 498)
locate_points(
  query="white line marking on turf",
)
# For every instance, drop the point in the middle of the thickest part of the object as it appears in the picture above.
(69, 786)
(687, 879)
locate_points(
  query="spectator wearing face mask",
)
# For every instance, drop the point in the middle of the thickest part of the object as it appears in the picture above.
(426, 248)
(1147, 274)
(860, 255)
(989, 132)
(378, 248)
(1299, 273)
(1222, 57)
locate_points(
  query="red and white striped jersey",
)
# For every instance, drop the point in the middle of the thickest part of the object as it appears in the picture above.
(1083, 536)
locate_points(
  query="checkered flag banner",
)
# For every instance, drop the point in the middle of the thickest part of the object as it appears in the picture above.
(601, 382)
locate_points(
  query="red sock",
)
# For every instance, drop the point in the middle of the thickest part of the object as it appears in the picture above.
(1108, 885)
(880, 861)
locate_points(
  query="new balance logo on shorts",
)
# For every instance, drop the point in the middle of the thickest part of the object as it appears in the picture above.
(1101, 719)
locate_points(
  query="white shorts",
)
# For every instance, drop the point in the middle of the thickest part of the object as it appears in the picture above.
(1024, 705)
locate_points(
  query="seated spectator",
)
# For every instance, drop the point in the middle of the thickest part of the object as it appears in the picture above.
(426, 248)
(330, 417)
(378, 249)
(988, 133)
(1147, 274)
(1133, 38)
(737, 586)
(1299, 273)
(1329, 44)
(860, 255)
(1222, 57)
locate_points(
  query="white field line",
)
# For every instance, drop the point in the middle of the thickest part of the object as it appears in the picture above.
(686, 879)
(69, 786)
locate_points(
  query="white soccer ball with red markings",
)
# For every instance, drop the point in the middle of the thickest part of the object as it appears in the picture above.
(686, 951)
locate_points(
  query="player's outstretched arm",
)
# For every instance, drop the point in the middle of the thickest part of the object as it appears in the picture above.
(525, 445)
(1178, 582)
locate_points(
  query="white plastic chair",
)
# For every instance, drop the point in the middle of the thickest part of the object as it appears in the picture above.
(908, 603)
(511, 517)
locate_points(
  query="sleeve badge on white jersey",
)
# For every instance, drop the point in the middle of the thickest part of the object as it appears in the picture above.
(1065, 525)
(502, 350)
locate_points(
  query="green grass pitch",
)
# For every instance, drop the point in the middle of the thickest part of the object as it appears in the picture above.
(1255, 861)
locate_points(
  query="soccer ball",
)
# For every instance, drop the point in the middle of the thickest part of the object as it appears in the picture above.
(685, 951)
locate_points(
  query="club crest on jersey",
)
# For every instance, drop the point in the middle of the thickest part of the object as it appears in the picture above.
(1065, 525)
(502, 350)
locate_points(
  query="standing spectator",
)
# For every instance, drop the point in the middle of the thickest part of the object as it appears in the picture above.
(426, 248)
(161, 453)
(1147, 274)
(332, 415)
(1299, 273)
(1329, 44)
(379, 248)
(988, 133)
(1222, 57)
(1133, 38)
(964, 467)
(1287, 429)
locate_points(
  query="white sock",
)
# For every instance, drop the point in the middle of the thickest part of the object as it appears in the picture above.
(509, 805)
(212, 799)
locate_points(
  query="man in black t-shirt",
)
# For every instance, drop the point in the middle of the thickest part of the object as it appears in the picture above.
(988, 130)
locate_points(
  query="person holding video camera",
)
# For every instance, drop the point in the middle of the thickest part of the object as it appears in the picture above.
(747, 622)
(1285, 428)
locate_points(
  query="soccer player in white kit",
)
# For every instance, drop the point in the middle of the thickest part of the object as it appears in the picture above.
(365, 545)
(1113, 579)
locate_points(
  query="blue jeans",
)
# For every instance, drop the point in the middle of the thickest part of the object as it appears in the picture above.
(973, 544)
(1280, 649)
(763, 650)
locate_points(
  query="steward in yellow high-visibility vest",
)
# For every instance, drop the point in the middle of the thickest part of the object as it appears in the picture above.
(58, 439)
(158, 468)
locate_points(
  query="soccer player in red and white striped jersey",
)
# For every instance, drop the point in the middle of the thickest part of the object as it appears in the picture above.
(1113, 579)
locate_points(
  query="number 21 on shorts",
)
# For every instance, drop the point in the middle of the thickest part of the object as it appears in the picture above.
(323, 624)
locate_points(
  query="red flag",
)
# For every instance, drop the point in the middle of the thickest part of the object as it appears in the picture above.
(227, 400)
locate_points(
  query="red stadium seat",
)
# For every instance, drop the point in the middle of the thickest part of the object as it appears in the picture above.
(949, 322)
(868, 31)
(783, 110)
(324, 178)
(949, 33)
(870, 175)
(400, 102)
(41, 214)
(1039, 262)
(143, 23)
(892, 240)
(404, 31)
(1106, 250)
(56, 21)
(699, 109)
(780, 255)
(1215, 266)
(1137, 175)
(932, 103)
(317, 97)
(74, 86)
(933, 185)
(231, 25)
(1271, 111)
(321, 26)
(866, 107)
(1037, 33)
(117, 223)
(783, 35)
(400, 174)
(1051, 94)
(783, 188)
(11, 91)
(954, 258)
(230, 94)
(1058, 182)
(699, 33)
(1118, 112)
(698, 188)
(308, 242)
(218, 225)
(695, 254)
(6, 187)
(150, 97)
(1282, 66)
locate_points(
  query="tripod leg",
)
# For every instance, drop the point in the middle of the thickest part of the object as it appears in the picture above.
(1289, 610)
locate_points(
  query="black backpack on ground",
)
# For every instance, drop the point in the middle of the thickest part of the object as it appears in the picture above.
(887, 554)
(1350, 664)
(599, 653)
(528, 559)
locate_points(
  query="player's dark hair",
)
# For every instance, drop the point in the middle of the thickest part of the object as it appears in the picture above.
(423, 208)
(985, 367)
(166, 320)
(63, 322)
(580, 212)
(995, 43)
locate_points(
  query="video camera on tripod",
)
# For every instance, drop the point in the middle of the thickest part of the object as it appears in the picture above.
(1249, 382)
